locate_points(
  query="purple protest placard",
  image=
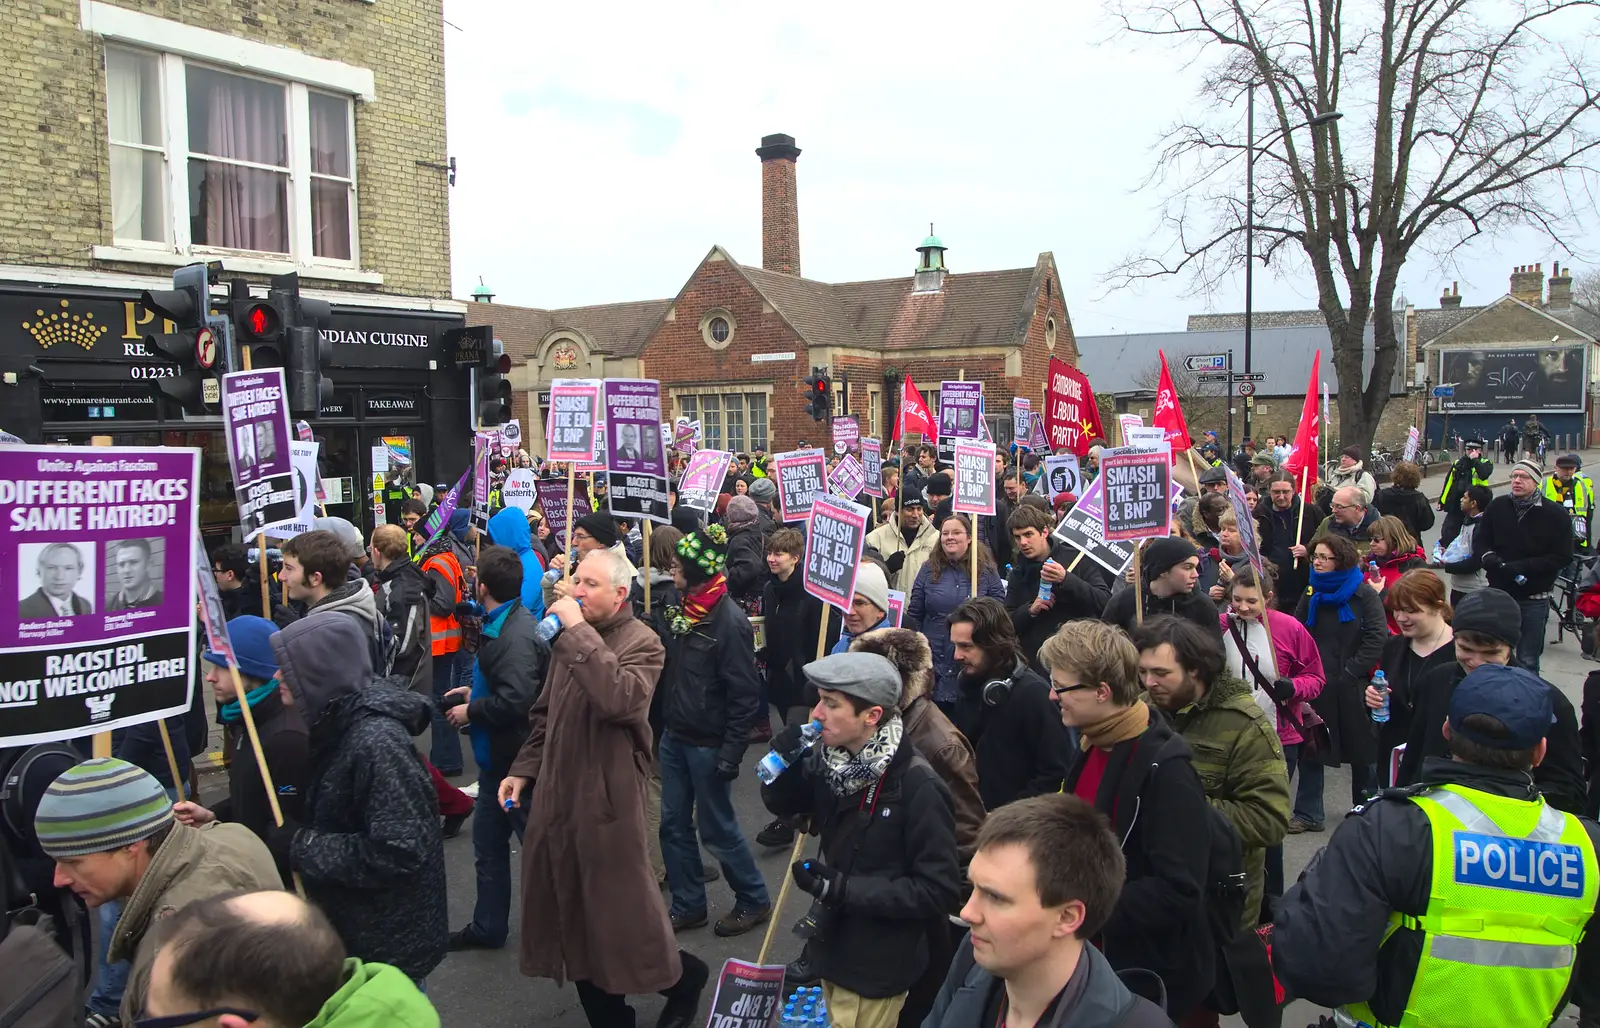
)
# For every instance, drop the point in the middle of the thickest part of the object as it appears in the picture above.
(960, 409)
(801, 477)
(574, 415)
(1038, 441)
(1021, 419)
(685, 437)
(597, 460)
(702, 479)
(255, 422)
(871, 465)
(974, 478)
(484, 444)
(635, 458)
(847, 478)
(98, 563)
(834, 540)
(846, 435)
(553, 504)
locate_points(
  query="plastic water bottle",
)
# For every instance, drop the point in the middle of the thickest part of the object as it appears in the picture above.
(1380, 713)
(1372, 569)
(548, 628)
(1521, 580)
(774, 763)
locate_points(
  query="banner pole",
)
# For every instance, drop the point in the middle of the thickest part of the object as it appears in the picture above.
(1138, 587)
(972, 548)
(645, 532)
(172, 758)
(783, 890)
(1075, 560)
(1300, 519)
(572, 485)
(822, 632)
(101, 742)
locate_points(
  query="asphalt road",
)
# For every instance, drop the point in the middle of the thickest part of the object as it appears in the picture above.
(484, 989)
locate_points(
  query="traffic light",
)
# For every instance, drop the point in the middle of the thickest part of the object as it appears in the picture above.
(258, 324)
(306, 351)
(192, 345)
(820, 390)
(494, 389)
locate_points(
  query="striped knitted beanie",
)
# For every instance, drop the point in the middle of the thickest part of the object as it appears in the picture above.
(98, 806)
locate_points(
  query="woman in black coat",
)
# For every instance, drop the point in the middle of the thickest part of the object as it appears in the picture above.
(1405, 501)
(1346, 619)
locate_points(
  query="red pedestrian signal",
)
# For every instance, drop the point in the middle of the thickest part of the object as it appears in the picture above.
(260, 322)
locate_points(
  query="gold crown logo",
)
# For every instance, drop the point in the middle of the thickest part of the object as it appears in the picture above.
(65, 327)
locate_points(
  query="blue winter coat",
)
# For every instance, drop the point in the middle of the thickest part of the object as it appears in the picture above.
(509, 528)
(931, 602)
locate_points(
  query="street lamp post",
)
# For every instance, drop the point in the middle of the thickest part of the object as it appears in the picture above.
(1325, 118)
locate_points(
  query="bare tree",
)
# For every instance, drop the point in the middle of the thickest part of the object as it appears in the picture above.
(1205, 404)
(1461, 118)
(1586, 289)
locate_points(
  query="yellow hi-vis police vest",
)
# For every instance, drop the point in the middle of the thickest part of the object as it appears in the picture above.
(1578, 498)
(1514, 884)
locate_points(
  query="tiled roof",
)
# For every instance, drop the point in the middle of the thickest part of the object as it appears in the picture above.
(1431, 324)
(984, 308)
(615, 329)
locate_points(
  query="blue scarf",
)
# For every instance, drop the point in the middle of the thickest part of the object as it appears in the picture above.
(229, 712)
(1333, 587)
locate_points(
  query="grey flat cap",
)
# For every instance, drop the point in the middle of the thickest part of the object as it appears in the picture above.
(866, 676)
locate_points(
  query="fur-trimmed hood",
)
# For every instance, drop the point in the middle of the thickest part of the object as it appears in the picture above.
(909, 653)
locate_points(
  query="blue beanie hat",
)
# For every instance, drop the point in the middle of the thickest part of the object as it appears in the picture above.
(252, 647)
(98, 806)
(460, 518)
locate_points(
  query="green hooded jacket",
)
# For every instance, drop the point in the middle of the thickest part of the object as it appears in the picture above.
(1240, 762)
(375, 996)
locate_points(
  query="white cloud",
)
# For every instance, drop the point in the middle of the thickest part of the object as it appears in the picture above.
(604, 148)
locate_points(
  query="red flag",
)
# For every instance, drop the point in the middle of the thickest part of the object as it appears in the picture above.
(914, 415)
(1168, 413)
(1071, 416)
(1303, 461)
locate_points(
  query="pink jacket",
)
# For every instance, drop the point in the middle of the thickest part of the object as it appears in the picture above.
(1297, 659)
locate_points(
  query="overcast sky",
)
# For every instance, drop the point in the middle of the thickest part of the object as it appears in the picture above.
(603, 149)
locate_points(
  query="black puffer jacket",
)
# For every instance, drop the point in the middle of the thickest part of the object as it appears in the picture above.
(1021, 745)
(746, 569)
(1153, 797)
(898, 855)
(512, 662)
(794, 619)
(1330, 939)
(712, 695)
(369, 850)
(284, 743)
(1535, 544)
(1196, 606)
(1409, 505)
(1082, 594)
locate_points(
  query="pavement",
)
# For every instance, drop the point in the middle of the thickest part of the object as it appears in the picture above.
(483, 988)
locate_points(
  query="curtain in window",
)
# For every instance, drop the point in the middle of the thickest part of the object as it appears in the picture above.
(330, 155)
(238, 207)
(127, 166)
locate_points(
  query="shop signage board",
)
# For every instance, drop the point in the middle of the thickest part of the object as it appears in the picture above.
(98, 554)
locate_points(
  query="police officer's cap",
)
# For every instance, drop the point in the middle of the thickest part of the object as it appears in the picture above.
(1517, 698)
(1569, 460)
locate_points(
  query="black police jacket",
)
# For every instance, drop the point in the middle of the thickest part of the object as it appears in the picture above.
(1328, 942)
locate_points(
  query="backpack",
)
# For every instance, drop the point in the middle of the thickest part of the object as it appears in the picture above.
(39, 988)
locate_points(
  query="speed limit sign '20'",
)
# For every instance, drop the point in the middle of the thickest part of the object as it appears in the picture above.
(1247, 388)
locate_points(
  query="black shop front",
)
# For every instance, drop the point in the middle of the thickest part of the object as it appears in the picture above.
(76, 367)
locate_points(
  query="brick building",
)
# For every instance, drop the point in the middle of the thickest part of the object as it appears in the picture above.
(733, 347)
(271, 135)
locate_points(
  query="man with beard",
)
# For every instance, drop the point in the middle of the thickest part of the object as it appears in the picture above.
(906, 546)
(1283, 528)
(1236, 750)
(1004, 708)
(1041, 594)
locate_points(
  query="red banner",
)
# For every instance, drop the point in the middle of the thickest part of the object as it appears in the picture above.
(1303, 460)
(1071, 418)
(1168, 413)
(914, 415)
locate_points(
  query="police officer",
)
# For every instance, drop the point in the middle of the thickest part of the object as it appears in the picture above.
(1573, 490)
(1459, 901)
(1471, 469)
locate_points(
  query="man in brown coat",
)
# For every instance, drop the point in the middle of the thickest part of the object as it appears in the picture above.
(591, 909)
(950, 755)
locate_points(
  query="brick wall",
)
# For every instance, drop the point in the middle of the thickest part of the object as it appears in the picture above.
(55, 200)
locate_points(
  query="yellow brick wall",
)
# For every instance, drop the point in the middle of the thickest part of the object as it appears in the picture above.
(55, 198)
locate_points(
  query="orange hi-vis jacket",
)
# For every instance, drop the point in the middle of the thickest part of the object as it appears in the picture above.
(446, 629)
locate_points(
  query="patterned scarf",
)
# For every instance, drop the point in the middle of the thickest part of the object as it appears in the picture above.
(697, 603)
(848, 773)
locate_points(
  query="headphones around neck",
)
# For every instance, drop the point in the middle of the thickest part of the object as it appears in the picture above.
(997, 691)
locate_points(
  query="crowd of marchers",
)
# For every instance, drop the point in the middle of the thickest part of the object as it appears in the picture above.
(1049, 795)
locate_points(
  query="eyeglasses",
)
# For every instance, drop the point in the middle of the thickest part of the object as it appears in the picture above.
(1346, 506)
(1057, 690)
(1322, 558)
(179, 1020)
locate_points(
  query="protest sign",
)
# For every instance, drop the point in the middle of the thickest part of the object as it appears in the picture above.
(1146, 436)
(801, 477)
(960, 409)
(837, 533)
(574, 414)
(1244, 517)
(1071, 416)
(596, 464)
(897, 607)
(1136, 481)
(510, 437)
(255, 422)
(846, 435)
(1021, 419)
(1413, 438)
(702, 479)
(1083, 529)
(439, 520)
(303, 457)
(98, 559)
(484, 443)
(213, 615)
(635, 456)
(1125, 422)
(302, 431)
(748, 995)
(847, 477)
(1176, 499)
(684, 439)
(974, 476)
(1038, 442)
(871, 465)
(1061, 476)
(520, 489)
(553, 503)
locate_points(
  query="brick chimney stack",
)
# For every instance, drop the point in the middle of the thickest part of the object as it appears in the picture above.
(1560, 288)
(1451, 299)
(1527, 283)
(780, 211)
